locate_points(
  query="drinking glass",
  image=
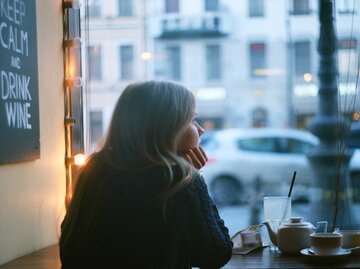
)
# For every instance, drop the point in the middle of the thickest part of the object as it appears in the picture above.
(276, 210)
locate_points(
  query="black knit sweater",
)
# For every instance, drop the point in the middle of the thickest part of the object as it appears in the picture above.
(129, 230)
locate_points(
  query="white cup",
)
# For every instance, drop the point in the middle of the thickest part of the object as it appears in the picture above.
(351, 238)
(326, 244)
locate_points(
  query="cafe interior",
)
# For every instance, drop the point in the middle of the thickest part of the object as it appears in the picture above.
(41, 86)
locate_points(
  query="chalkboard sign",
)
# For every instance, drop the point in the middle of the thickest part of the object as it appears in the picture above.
(19, 97)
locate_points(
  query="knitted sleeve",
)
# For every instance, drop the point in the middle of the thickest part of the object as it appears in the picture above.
(209, 240)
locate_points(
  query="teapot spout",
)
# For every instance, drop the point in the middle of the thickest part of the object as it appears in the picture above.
(272, 234)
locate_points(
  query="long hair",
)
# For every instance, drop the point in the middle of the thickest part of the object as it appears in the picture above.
(147, 123)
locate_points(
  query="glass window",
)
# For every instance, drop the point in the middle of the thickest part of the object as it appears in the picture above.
(125, 8)
(242, 78)
(259, 118)
(213, 66)
(95, 66)
(302, 58)
(174, 62)
(96, 126)
(94, 8)
(301, 7)
(257, 59)
(258, 144)
(345, 6)
(211, 5)
(256, 8)
(126, 62)
(348, 57)
(294, 146)
(171, 6)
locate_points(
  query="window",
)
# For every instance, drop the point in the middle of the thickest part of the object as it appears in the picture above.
(125, 8)
(95, 66)
(171, 6)
(94, 8)
(257, 59)
(347, 57)
(294, 146)
(258, 144)
(259, 118)
(302, 58)
(345, 6)
(256, 8)
(126, 62)
(96, 126)
(211, 5)
(174, 63)
(213, 66)
(301, 7)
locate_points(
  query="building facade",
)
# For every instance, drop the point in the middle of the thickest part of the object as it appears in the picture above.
(250, 63)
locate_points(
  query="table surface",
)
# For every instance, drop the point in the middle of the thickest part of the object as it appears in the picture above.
(48, 258)
(264, 258)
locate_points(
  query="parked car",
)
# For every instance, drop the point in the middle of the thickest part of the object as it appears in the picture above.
(238, 158)
(241, 159)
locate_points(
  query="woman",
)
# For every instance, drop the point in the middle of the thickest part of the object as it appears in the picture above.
(139, 202)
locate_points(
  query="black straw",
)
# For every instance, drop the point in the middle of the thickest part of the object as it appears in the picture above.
(292, 184)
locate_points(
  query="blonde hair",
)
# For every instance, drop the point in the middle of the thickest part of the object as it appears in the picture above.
(146, 126)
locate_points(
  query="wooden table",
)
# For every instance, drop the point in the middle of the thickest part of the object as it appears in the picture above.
(48, 258)
(263, 258)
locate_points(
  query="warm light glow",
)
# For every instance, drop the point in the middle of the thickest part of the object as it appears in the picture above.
(308, 77)
(146, 55)
(356, 116)
(79, 159)
(71, 70)
(269, 72)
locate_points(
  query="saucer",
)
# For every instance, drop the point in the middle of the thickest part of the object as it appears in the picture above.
(342, 252)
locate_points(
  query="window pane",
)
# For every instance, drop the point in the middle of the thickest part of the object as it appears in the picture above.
(96, 126)
(171, 6)
(127, 62)
(174, 63)
(256, 8)
(348, 57)
(301, 7)
(125, 8)
(257, 59)
(211, 5)
(302, 58)
(289, 145)
(258, 144)
(244, 77)
(94, 8)
(95, 66)
(213, 67)
(345, 6)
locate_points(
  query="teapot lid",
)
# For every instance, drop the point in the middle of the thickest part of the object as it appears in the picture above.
(296, 221)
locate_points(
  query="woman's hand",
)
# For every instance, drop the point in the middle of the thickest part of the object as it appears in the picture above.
(196, 156)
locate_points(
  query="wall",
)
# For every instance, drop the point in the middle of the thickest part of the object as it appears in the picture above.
(32, 193)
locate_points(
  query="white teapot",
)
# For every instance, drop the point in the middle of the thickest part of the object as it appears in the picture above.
(293, 235)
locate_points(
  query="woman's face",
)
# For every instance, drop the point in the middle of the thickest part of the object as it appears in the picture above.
(191, 137)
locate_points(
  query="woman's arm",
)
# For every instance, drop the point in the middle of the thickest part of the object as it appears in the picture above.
(209, 240)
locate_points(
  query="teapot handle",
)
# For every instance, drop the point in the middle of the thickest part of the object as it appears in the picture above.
(320, 224)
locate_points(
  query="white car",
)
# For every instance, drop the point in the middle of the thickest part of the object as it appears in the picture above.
(241, 159)
(263, 160)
